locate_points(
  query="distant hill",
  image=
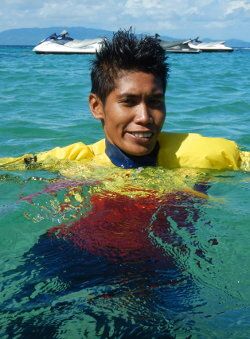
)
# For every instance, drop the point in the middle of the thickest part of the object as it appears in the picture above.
(32, 36)
(237, 43)
(232, 43)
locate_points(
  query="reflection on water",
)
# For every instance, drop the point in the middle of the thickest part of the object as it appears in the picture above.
(94, 261)
(115, 263)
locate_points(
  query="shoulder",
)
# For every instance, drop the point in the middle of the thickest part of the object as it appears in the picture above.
(98, 147)
(76, 151)
(195, 150)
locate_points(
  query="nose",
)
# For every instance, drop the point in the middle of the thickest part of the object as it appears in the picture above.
(143, 114)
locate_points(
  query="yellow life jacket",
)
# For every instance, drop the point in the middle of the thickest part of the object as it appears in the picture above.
(189, 150)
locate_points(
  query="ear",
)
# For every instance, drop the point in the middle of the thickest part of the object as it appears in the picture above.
(96, 106)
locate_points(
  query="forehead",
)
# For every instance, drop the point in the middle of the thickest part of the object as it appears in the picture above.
(137, 82)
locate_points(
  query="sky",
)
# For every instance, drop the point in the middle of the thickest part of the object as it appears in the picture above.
(215, 19)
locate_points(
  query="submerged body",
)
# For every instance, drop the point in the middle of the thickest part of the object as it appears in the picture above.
(116, 259)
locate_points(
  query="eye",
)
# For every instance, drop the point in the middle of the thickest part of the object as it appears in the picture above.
(128, 101)
(155, 102)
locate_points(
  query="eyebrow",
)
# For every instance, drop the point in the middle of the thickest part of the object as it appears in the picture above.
(134, 96)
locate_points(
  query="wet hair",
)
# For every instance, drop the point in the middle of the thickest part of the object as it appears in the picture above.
(126, 52)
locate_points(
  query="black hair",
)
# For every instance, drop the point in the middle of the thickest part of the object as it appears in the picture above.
(126, 52)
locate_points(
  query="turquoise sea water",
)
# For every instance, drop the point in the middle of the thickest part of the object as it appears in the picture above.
(200, 290)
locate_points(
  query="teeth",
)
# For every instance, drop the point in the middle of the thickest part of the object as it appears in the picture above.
(142, 135)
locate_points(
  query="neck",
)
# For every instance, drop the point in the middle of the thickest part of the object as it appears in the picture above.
(124, 160)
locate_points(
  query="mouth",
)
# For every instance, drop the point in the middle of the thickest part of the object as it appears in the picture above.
(143, 135)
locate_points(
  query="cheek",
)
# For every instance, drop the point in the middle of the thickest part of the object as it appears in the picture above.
(119, 118)
(114, 125)
(159, 120)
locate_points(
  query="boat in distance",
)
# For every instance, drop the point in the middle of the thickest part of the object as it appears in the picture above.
(212, 46)
(193, 46)
(63, 44)
(181, 46)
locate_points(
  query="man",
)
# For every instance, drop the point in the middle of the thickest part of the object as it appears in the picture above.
(111, 246)
(128, 87)
(129, 77)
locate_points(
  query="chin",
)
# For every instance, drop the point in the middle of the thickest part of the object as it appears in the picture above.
(139, 153)
(137, 149)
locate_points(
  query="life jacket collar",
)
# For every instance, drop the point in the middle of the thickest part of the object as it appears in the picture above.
(124, 160)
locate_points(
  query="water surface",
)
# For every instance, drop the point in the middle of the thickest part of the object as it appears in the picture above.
(170, 266)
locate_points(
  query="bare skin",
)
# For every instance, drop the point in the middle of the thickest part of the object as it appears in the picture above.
(133, 113)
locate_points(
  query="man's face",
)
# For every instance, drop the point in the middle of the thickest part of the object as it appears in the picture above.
(133, 113)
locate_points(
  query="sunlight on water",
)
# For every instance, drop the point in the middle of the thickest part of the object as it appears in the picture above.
(90, 252)
(163, 261)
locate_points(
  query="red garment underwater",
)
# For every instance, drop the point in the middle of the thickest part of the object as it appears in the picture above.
(119, 226)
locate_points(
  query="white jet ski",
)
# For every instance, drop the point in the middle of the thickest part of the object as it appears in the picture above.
(63, 44)
(213, 46)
